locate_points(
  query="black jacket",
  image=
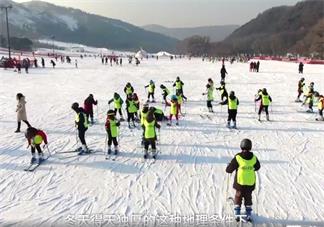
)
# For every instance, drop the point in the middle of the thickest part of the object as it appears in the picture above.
(233, 166)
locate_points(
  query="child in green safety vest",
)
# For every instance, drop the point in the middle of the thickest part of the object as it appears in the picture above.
(150, 125)
(150, 93)
(244, 164)
(165, 91)
(320, 106)
(309, 98)
(232, 102)
(174, 109)
(129, 90)
(266, 100)
(131, 109)
(112, 131)
(118, 104)
(178, 84)
(210, 96)
(35, 138)
(143, 115)
(82, 125)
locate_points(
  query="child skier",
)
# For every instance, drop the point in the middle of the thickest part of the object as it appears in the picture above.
(118, 103)
(210, 97)
(300, 90)
(112, 131)
(143, 115)
(151, 89)
(309, 98)
(88, 107)
(244, 164)
(129, 90)
(174, 110)
(178, 84)
(165, 91)
(82, 125)
(222, 90)
(150, 125)
(35, 138)
(265, 102)
(131, 110)
(232, 102)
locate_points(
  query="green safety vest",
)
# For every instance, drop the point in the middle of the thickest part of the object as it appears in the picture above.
(113, 128)
(132, 107)
(151, 88)
(129, 90)
(149, 129)
(179, 99)
(178, 85)
(166, 91)
(37, 140)
(158, 111)
(232, 104)
(117, 103)
(143, 117)
(245, 172)
(210, 94)
(265, 100)
(77, 119)
(173, 109)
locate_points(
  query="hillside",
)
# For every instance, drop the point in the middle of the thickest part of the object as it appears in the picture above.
(215, 33)
(37, 19)
(297, 29)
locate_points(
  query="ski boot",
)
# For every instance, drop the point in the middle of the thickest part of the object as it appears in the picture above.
(17, 131)
(234, 125)
(116, 150)
(83, 150)
(40, 158)
(169, 124)
(309, 110)
(145, 154)
(248, 212)
(33, 160)
(154, 154)
(177, 123)
(268, 119)
(237, 213)
(109, 150)
(259, 119)
(228, 124)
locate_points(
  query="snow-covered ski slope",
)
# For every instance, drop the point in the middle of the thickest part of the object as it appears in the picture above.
(187, 183)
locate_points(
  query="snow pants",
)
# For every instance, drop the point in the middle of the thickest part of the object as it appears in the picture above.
(244, 194)
(232, 115)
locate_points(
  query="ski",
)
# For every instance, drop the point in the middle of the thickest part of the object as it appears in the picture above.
(78, 155)
(34, 166)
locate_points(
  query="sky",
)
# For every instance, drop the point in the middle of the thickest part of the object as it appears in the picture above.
(176, 13)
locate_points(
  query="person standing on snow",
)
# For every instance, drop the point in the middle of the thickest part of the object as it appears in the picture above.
(320, 106)
(265, 102)
(174, 110)
(35, 137)
(223, 73)
(129, 90)
(143, 115)
(21, 111)
(232, 102)
(245, 164)
(150, 125)
(88, 107)
(112, 131)
(82, 125)
(151, 89)
(309, 98)
(301, 68)
(131, 110)
(210, 95)
(300, 90)
(178, 84)
(165, 91)
(118, 104)
(222, 90)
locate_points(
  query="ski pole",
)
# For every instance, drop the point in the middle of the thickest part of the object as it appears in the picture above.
(48, 150)
(257, 194)
(106, 141)
(227, 186)
(97, 109)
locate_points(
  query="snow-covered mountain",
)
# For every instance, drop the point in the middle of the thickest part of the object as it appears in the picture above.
(38, 19)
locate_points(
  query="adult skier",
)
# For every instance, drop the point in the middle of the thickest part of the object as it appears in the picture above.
(82, 125)
(300, 90)
(118, 104)
(21, 111)
(222, 90)
(165, 91)
(112, 131)
(210, 96)
(244, 164)
(151, 89)
(150, 125)
(265, 102)
(232, 102)
(35, 138)
(223, 73)
(88, 107)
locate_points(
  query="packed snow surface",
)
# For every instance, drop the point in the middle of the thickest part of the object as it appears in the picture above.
(188, 179)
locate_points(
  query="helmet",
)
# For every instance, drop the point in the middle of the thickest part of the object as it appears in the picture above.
(110, 113)
(178, 78)
(116, 95)
(162, 86)
(91, 95)
(264, 90)
(246, 145)
(316, 94)
(75, 106)
(312, 83)
(30, 132)
(151, 82)
(174, 97)
(232, 93)
(128, 84)
(207, 85)
(302, 79)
